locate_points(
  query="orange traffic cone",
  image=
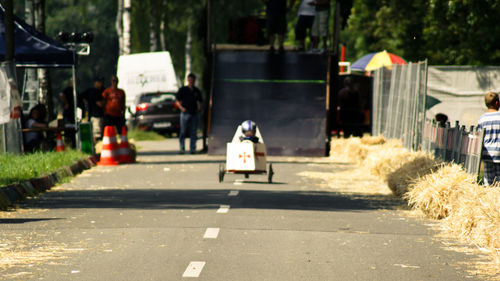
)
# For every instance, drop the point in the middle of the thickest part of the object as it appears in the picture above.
(60, 144)
(124, 151)
(109, 150)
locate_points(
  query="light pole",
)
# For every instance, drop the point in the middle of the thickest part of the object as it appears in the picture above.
(79, 44)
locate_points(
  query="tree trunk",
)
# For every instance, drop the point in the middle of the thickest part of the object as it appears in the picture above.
(188, 50)
(30, 73)
(119, 26)
(44, 91)
(153, 41)
(127, 7)
(163, 20)
(162, 35)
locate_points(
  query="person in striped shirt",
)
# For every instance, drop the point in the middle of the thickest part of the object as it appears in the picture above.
(490, 123)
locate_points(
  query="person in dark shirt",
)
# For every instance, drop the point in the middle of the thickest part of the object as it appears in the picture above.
(189, 100)
(350, 112)
(35, 140)
(67, 103)
(276, 22)
(94, 101)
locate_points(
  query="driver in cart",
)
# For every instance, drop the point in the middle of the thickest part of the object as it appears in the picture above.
(246, 153)
(247, 131)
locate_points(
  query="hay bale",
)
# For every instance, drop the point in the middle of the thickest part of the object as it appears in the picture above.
(435, 193)
(373, 140)
(421, 165)
(385, 160)
(347, 150)
(475, 218)
(393, 143)
(356, 150)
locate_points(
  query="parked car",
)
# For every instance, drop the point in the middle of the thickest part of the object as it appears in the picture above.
(157, 112)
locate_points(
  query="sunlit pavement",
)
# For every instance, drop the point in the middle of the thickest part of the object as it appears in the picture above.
(167, 217)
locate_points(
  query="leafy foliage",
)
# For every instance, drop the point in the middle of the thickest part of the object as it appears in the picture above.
(445, 32)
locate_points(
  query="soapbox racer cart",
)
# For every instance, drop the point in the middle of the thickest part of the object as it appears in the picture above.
(246, 157)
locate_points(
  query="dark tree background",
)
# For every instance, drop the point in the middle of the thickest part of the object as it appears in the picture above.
(451, 32)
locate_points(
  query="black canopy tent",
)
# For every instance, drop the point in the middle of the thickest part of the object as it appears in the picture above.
(33, 49)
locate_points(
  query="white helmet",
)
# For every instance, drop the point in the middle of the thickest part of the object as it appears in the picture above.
(247, 126)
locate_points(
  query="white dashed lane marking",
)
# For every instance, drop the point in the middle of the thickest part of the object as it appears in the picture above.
(194, 269)
(223, 209)
(211, 233)
(233, 193)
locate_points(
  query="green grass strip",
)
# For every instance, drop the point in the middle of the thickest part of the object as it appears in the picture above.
(140, 135)
(19, 168)
(274, 81)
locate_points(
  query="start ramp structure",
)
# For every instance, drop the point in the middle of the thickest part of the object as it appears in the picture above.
(284, 94)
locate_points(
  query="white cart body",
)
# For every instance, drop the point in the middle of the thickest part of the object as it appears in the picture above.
(246, 157)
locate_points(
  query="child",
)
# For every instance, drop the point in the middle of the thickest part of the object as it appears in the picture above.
(248, 128)
(247, 131)
(490, 123)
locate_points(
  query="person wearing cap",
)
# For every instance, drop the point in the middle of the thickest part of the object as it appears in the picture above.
(94, 102)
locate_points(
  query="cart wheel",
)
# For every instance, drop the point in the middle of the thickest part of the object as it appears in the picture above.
(222, 171)
(270, 174)
(246, 176)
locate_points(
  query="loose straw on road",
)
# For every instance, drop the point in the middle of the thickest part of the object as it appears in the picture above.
(467, 211)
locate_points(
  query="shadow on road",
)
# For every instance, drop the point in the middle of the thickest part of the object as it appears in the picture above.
(212, 199)
(157, 152)
(180, 162)
(19, 221)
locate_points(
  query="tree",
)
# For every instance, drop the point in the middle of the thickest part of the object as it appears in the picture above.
(96, 16)
(445, 32)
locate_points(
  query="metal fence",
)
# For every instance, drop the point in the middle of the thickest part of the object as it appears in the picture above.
(454, 144)
(399, 97)
(399, 103)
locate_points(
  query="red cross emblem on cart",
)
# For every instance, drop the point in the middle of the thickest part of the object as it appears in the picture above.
(245, 156)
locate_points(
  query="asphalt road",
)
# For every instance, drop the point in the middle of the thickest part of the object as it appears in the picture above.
(168, 218)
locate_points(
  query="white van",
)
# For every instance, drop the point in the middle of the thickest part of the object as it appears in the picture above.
(145, 72)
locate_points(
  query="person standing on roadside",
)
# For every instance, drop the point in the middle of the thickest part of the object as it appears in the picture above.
(114, 105)
(490, 123)
(349, 109)
(320, 25)
(276, 23)
(306, 14)
(189, 100)
(67, 100)
(95, 103)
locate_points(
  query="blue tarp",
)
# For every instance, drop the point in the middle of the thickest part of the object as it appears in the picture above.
(33, 49)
